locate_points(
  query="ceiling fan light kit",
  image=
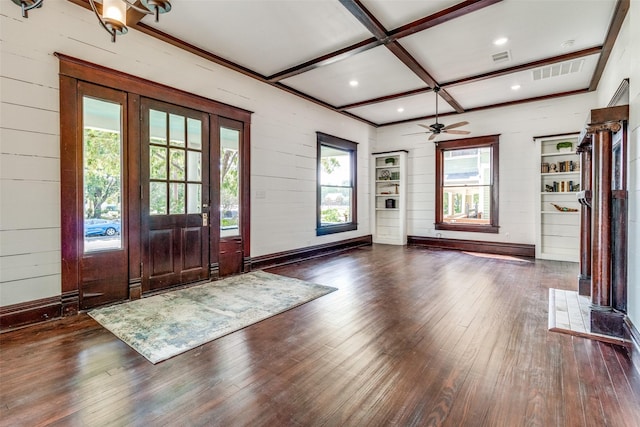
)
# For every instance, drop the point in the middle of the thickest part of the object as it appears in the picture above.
(436, 128)
(114, 13)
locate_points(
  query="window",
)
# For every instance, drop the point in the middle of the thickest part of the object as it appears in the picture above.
(336, 196)
(102, 173)
(467, 184)
(229, 182)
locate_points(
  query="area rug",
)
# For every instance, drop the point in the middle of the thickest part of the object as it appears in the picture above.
(164, 325)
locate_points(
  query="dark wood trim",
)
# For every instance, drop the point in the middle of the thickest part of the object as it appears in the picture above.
(634, 336)
(309, 252)
(622, 7)
(70, 272)
(393, 151)
(557, 135)
(135, 288)
(70, 303)
(497, 248)
(524, 67)
(440, 17)
(366, 18)
(327, 59)
(403, 55)
(90, 72)
(25, 313)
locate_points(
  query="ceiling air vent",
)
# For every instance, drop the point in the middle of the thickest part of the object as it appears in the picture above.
(501, 56)
(561, 69)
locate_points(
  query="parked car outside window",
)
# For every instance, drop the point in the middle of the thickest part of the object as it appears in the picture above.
(101, 227)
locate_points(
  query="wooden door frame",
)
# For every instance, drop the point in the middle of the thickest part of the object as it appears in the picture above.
(244, 186)
(72, 71)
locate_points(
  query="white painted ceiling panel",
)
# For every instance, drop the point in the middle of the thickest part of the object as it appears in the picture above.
(498, 90)
(396, 13)
(266, 36)
(536, 29)
(415, 106)
(377, 71)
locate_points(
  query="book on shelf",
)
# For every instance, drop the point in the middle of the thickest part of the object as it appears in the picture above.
(565, 166)
(562, 187)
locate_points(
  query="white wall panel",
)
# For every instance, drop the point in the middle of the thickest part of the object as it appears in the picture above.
(29, 143)
(283, 137)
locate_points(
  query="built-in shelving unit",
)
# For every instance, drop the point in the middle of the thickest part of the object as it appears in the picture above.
(558, 210)
(389, 197)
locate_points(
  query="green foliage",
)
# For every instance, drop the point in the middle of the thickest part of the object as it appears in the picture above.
(331, 215)
(457, 203)
(329, 164)
(101, 170)
(229, 180)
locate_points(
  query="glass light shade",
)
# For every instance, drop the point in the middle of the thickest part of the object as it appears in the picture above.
(114, 11)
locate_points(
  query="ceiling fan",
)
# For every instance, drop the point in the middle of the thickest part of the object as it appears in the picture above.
(436, 128)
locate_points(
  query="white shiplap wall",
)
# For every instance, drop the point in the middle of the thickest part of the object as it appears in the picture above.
(519, 164)
(283, 138)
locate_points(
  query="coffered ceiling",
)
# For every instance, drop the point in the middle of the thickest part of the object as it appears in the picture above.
(378, 60)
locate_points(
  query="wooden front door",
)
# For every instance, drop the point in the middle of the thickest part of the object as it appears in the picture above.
(175, 195)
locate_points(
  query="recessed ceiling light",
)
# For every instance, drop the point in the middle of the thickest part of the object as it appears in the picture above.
(500, 41)
(515, 87)
(400, 110)
(353, 83)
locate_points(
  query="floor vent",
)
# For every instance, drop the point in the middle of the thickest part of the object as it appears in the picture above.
(560, 69)
(501, 56)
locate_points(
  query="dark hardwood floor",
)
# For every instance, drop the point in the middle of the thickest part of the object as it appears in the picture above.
(412, 337)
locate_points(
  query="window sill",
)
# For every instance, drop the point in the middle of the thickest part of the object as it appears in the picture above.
(331, 229)
(468, 227)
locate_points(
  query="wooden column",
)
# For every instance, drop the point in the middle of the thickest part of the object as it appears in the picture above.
(603, 319)
(584, 280)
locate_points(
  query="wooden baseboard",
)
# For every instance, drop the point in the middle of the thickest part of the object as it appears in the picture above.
(295, 255)
(26, 313)
(634, 348)
(497, 248)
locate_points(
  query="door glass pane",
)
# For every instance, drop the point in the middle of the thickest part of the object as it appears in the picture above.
(158, 198)
(229, 182)
(176, 198)
(102, 178)
(176, 130)
(158, 162)
(158, 127)
(194, 196)
(194, 134)
(194, 166)
(176, 164)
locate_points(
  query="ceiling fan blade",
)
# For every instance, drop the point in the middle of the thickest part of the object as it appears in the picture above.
(456, 125)
(415, 133)
(433, 136)
(457, 132)
(424, 126)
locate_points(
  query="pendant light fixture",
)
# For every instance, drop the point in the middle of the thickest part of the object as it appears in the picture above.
(114, 13)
